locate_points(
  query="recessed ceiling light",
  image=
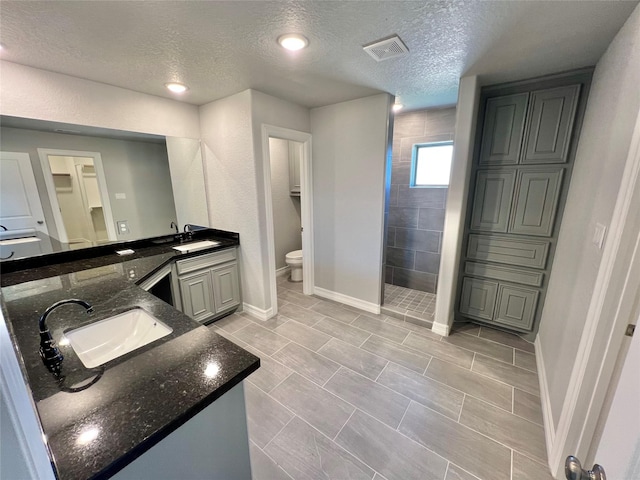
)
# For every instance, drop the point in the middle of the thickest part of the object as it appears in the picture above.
(293, 41)
(397, 107)
(176, 87)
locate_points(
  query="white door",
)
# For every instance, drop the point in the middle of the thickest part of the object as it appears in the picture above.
(20, 207)
(619, 448)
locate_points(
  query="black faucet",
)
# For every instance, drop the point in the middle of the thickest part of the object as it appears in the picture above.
(49, 353)
(175, 225)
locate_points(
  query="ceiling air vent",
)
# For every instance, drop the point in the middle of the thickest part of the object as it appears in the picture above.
(391, 47)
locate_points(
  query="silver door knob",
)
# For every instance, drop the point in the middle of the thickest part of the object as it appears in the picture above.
(573, 470)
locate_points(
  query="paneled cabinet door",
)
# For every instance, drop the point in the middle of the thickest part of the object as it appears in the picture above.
(516, 306)
(226, 288)
(550, 125)
(492, 200)
(197, 300)
(478, 297)
(536, 202)
(503, 129)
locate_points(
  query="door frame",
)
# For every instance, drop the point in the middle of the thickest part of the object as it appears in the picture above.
(614, 304)
(44, 153)
(306, 204)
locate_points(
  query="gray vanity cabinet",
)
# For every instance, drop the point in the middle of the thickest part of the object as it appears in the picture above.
(209, 284)
(520, 176)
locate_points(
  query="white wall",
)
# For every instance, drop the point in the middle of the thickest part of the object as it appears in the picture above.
(350, 146)
(609, 120)
(232, 146)
(227, 143)
(456, 206)
(33, 93)
(140, 170)
(286, 209)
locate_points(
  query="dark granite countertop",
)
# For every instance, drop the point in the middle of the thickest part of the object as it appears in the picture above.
(136, 400)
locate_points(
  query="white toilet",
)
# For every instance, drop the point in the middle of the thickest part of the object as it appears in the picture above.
(294, 260)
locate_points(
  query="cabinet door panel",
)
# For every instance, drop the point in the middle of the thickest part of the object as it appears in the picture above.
(516, 306)
(551, 123)
(492, 201)
(478, 298)
(197, 299)
(503, 128)
(536, 202)
(226, 290)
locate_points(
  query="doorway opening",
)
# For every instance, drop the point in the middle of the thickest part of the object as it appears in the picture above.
(421, 162)
(288, 202)
(78, 194)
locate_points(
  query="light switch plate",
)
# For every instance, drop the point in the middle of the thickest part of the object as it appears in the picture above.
(121, 196)
(598, 235)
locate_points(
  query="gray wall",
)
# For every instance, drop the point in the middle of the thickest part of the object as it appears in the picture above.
(416, 215)
(286, 209)
(349, 155)
(605, 140)
(140, 170)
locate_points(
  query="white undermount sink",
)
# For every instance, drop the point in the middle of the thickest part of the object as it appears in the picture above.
(104, 340)
(193, 246)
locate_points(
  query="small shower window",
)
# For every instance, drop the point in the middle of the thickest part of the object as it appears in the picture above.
(431, 164)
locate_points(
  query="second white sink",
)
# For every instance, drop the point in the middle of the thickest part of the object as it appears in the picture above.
(193, 246)
(107, 339)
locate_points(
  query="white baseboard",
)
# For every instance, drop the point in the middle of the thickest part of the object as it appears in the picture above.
(347, 300)
(547, 413)
(441, 329)
(256, 312)
(281, 272)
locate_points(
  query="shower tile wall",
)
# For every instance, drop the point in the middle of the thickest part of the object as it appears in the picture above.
(416, 215)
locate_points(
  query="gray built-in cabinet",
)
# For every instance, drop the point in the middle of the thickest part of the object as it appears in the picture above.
(525, 144)
(209, 284)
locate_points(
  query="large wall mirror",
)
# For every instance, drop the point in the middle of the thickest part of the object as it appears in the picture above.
(65, 187)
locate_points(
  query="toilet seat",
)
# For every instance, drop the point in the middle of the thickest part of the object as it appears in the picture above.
(294, 257)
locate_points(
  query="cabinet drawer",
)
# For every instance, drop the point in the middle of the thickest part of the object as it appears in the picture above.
(516, 306)
(521, 252)
(497, 272)
(478, 298)
(202, 261)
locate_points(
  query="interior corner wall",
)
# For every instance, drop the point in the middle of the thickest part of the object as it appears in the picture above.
(350, 142)
(227, 144)
(614, 102)
(33, 93)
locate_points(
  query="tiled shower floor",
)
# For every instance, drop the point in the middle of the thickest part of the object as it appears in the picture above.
(408, 304)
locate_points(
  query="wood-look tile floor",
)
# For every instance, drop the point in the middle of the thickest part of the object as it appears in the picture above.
(343, 394)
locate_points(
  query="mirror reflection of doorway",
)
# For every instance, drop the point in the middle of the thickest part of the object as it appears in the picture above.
(78, 196)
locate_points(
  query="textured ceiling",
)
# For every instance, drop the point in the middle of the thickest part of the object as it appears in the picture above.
(221, 48)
